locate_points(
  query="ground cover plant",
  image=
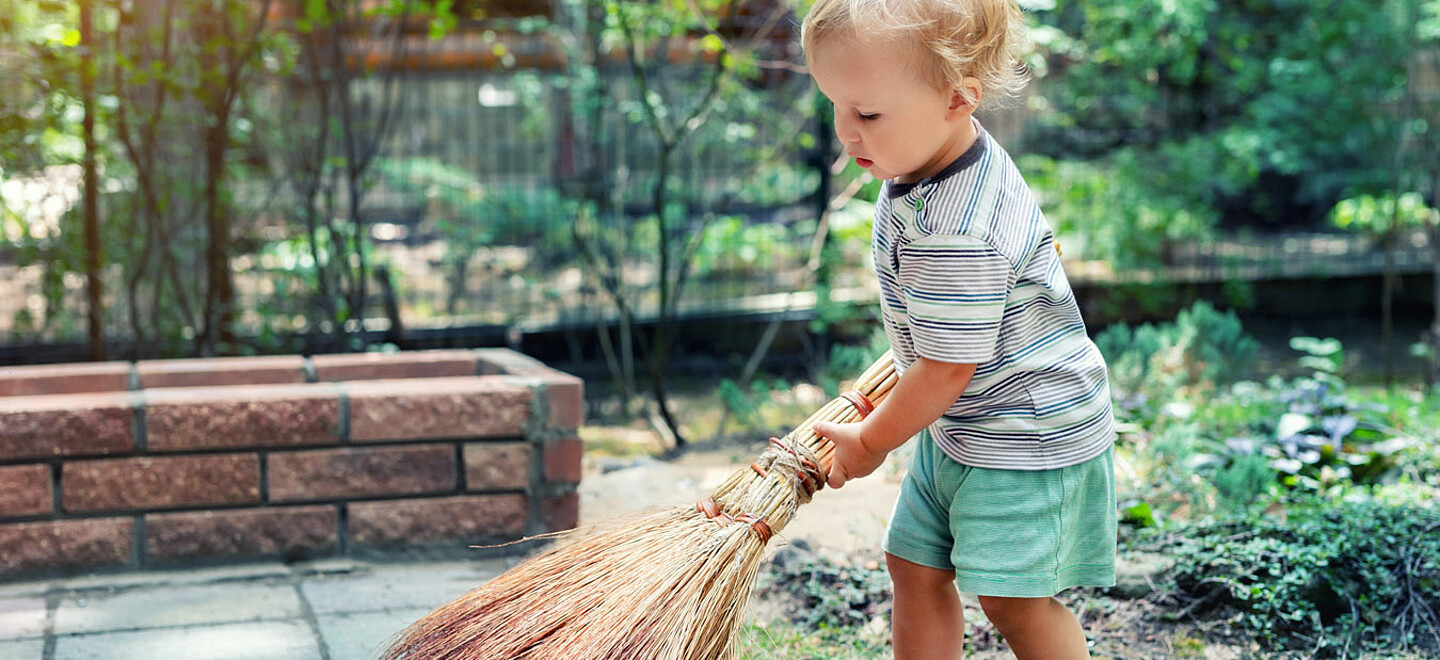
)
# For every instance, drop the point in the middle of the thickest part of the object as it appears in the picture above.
(1333, 579)
(1276, 505)
(1291, 510)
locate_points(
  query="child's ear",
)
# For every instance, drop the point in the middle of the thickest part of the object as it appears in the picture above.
(965, 99)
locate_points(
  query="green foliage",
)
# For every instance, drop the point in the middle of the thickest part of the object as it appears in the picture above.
(745, 406)
(1380, 214)
(1243, 479)
(1241, 447)
(786, 640)
(734, 247)
(1331, 578)
(1122, 209)
(847, 360)
(1215, 100)
(1152, 364)
(469, 215)
(1323, 436)
(774, 185)
(831, 593)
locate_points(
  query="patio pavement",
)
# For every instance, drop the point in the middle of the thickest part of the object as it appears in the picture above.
(344, 608)
(328, 610)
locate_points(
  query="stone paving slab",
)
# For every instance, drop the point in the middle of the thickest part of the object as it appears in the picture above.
(25, 649)
(120, 581)
(361, 636)
(176, 606)
(331, 610)
(274, 640)
(391, 588)
(22, 617)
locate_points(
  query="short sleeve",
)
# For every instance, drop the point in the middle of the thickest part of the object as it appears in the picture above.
(955, 290)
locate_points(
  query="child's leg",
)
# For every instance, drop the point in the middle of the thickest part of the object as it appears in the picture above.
(1036, 628)
(927, 623)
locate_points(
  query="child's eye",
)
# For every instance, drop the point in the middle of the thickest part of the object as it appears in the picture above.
(869, 117)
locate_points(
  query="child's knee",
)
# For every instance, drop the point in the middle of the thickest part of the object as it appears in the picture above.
(908, 575)
(1002, 610)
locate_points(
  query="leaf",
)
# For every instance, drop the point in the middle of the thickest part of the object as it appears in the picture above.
(1287, 465)
(1292, 424)
(1241, 445)
(1317, 363)
(1338, 427)
(1140, 514)
(1315, 346)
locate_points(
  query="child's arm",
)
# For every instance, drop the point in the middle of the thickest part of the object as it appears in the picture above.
(926, 390)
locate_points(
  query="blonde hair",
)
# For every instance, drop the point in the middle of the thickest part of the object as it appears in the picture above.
(956, 39)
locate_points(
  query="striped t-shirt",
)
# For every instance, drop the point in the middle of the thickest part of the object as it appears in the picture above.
(969, 274)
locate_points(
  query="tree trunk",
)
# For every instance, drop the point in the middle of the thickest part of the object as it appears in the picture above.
(1387, 299)
(396, 333)
(92, 185)
(660, 340)
(219, 290)
(1435, 300)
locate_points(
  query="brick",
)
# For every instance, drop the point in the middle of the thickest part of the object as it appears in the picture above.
(564, 460)
(560, 512)
(66, 425)
(288, 532)
(494, 361)
(25, 490)
(65, 378)
(211, 372)
(566, 394)
(497, 465)
(461, 519)
(60, 545)
(160, 483)
(433, 408)
(361, 472)
(375, 366)
(249, 416)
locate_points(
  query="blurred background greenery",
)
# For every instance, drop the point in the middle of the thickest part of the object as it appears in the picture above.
(649, 194)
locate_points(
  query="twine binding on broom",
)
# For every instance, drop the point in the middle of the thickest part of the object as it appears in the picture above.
(803, 471)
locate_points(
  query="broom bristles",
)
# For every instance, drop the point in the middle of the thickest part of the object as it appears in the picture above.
(671, 584)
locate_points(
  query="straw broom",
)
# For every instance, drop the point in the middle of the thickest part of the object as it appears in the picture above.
(671, 584)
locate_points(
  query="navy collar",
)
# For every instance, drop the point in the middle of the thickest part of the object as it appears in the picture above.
(957, 166)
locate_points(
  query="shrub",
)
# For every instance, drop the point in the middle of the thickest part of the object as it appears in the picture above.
(1251, 441)
(1153, 364)
(848, 361)
(1332, 578)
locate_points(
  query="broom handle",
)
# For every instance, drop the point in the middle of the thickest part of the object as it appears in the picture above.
(874, 384)
(749, 496)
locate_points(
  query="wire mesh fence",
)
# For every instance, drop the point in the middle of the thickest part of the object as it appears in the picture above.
(500, 195)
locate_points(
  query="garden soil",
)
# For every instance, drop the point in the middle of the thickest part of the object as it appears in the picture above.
(849, 523)
(845, 520)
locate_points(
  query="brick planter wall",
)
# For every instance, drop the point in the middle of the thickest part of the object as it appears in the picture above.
(116, 466)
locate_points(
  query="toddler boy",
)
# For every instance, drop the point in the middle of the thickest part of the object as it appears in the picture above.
(1010, 494)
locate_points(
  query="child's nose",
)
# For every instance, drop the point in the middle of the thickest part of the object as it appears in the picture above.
(845, 130)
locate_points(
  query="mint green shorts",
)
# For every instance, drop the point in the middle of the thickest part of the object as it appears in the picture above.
(1011, 533)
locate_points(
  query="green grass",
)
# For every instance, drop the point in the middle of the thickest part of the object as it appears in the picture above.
(790, 642)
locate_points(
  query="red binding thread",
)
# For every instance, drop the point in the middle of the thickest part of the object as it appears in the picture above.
(762, 529)
(711, 509)
(862, 404)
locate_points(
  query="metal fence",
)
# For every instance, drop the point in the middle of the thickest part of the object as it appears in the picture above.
(473, 207)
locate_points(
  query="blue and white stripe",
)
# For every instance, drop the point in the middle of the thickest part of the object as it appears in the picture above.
(969, 273)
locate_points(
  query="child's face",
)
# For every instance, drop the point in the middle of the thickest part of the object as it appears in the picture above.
(891, 120)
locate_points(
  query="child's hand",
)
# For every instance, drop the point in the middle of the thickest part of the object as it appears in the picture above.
(852, 459)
